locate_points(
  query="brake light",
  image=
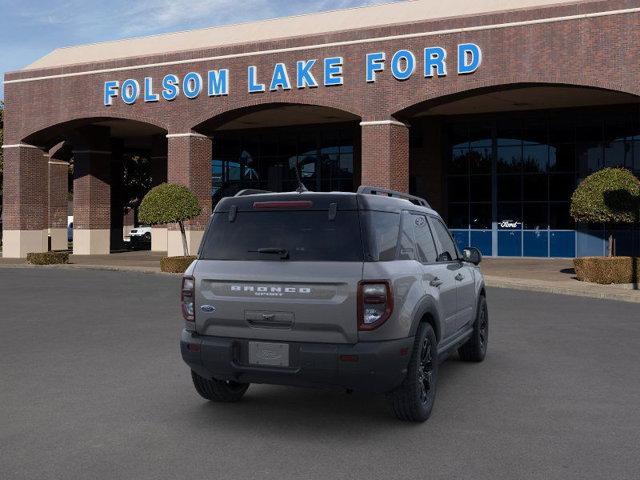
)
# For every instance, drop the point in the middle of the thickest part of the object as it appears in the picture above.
(187, 299)
(284, 204)
(375, 303)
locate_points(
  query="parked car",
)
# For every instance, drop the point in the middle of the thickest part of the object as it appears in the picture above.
(140, 238)
(360, 291)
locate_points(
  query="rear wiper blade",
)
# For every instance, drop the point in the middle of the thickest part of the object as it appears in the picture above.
(283, 252)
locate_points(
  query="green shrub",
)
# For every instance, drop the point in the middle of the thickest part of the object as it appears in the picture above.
(48, 258)
(611, 195)
(607, 270)
(175, 264)
(170, 203)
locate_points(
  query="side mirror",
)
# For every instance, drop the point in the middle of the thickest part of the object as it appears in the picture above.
(472, 255)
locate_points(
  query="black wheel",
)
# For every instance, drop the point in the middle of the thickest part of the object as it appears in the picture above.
(218, 390)
(475, 349)
(147, 236)
(413, 400)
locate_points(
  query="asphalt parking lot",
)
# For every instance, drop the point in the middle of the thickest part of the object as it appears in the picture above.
(92, 386)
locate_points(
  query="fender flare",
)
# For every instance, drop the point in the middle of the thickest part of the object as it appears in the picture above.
(427, 306)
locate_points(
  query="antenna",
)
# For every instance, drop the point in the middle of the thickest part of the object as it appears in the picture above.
(301, 188)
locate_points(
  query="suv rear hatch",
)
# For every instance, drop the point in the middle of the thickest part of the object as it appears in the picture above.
(281, 267)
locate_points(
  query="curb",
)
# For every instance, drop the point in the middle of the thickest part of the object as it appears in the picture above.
(74, 266)
(602, 293)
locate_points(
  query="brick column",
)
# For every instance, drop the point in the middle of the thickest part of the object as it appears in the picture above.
(385, 154)
(24, 201)
(159, 175)
(189, 164)
(92, 192)
(58, 191)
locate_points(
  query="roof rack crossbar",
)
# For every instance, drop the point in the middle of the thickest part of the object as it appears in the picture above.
(250, 191)
(366, 189)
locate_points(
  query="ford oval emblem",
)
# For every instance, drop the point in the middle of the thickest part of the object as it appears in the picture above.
(207, 308)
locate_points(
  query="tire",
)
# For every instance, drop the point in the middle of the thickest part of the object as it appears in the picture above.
(218, 390)
(413, 400)
(475, 349)
(147, 237)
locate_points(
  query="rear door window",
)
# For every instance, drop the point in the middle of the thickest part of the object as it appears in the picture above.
(424, 240)
(307, 235)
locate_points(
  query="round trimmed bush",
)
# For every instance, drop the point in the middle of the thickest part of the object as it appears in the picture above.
(611, 195)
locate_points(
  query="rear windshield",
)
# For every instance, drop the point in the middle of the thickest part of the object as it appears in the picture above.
(305, 235)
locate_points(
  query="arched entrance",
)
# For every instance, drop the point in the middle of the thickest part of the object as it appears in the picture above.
(261, 147)
(113, 162)
(501, 164)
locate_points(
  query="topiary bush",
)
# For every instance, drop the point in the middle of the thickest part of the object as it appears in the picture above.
(48, 258)
(611, 195)
(175, 264)
(607, 270)
(170, 203)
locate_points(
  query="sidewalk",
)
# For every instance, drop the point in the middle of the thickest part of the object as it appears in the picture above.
(549, 275)
(540, 275)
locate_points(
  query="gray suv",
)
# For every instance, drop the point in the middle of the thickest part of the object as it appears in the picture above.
(358, 291)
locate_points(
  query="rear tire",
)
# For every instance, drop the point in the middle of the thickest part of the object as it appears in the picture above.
(413, 400)
(218, 390)
(475, 349)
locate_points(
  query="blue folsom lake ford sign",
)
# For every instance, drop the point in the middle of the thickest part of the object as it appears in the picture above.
(310, 73)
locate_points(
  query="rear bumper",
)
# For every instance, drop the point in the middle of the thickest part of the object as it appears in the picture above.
(380, 366)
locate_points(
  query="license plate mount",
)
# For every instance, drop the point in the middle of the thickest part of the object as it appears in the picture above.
(269, 354)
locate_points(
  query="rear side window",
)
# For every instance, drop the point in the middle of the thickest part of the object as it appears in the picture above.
(424, 240)
(447, 249)
(306, 235)
(382, 234)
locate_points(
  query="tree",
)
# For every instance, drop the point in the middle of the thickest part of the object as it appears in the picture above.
(611, 195)
(170, 203)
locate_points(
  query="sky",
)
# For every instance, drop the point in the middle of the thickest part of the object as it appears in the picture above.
(29, 29)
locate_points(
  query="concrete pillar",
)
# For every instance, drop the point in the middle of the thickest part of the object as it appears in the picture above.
(25, 210)
(189, 164)
(385, 154)
(159, 233)
(92, 192)
(58, 192)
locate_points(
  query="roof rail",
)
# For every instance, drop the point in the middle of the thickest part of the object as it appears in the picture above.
(250, 191)
(393, 193)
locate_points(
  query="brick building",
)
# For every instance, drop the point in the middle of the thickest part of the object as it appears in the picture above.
(492, 109)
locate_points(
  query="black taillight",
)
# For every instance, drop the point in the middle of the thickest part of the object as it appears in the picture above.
(187, 299)
(375, 303)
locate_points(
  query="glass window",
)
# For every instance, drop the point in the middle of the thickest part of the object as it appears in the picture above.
(446, 249)
(561, 187)
(562, 158)
(458, 189)
(618, 154)
(480, 160)
(424, 241)
(459, 161)
(535, 216)
(535, 158)
(510, 216)
(534, 188)
(459, 215)
(510, 159)
(310, 236)
(481, 188)
(383, 229)
(589, 157)
(559, 217)
(480, 216)
(407, 243)
(509, 188)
